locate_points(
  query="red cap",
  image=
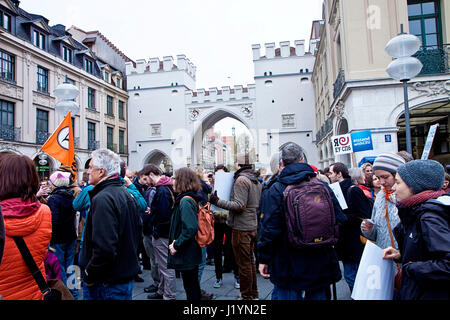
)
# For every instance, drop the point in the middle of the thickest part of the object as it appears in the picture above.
(314, 168)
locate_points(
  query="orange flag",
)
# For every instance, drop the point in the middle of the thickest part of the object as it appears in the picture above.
(60, 145)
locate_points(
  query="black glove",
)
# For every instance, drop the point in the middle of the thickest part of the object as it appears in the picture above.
(214, 198)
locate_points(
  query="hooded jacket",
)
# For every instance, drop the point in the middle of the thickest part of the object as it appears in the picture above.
(33, 222)
(161, 208)
(292, 268)
(183, 229)
(423, 236)
(63, 215)
(244, 201)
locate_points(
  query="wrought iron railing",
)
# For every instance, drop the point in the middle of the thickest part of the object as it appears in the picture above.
(10, 133)
(435, 59)
(123, 149)
(324, 130)
(93, 145)
(339, 84)
(42, 136)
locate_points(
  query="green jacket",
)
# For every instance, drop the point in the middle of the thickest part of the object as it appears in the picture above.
(183, 228)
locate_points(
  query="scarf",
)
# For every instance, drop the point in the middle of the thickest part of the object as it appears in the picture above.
(387, 197)
(420, 198)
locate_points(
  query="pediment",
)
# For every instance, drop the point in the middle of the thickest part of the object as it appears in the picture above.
(9, 5)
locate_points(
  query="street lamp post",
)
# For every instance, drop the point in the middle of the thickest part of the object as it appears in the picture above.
(66, 93)
(404, 68)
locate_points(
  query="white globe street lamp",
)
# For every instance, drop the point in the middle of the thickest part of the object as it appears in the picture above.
(404, 68)
(66, 93)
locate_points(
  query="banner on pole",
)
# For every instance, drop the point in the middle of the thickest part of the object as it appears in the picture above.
(352, 142)
(60, 145)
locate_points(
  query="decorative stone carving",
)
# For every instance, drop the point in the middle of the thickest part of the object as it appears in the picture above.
(339, 109)
(11, 91)
(433, 88)
(194, 114)
(247, 110)
(42, 100)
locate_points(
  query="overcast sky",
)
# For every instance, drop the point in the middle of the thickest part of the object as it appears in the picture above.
(215, 35)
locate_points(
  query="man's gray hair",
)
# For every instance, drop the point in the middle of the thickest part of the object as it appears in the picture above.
(291, 153)
(106, 159)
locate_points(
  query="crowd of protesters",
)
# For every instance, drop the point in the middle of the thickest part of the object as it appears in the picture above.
(96, 235)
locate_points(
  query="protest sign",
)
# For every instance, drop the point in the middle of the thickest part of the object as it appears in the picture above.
(429, 142)
(223, 183)
(342, 144)
(375, 277)
(361, 141)
(336, 187)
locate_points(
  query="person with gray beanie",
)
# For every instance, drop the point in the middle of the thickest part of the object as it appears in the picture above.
(423, 233)
(384, 212)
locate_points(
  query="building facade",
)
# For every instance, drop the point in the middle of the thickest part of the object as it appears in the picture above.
(353, 91)
(172, 116)
(35, 59)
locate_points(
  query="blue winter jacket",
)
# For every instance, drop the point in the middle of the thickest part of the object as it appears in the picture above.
(291, 268)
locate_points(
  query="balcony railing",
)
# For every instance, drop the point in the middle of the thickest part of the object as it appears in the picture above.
(123, 149)
(324, 130)
(435, 59)
(42, 136)
(339, 84)
(93, 145)
(112, 147)
(10, 133)
(76, 142)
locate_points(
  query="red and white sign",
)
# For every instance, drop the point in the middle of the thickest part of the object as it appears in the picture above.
(342, 144)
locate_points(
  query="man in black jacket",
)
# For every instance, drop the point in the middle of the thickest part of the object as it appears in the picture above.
(349, 247)
(109, 255)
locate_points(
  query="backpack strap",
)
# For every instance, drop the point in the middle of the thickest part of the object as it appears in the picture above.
(31, 264)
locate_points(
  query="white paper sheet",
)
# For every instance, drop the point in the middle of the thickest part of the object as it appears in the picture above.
(375, 277)
(223, 183)
(336, 187)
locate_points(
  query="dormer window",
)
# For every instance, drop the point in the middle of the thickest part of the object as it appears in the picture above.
(106, 78)
(67, 54)
(88, 66)
(39, 39)
(118, 83)
(5, 21)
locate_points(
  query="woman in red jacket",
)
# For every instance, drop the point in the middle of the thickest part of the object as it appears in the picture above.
(23, 216)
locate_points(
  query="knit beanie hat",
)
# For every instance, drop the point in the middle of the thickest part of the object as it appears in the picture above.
(388, 161)
(421, 175)
(60, 179)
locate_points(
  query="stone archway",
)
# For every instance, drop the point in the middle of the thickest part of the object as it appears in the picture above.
(159, 159)
(198, 149)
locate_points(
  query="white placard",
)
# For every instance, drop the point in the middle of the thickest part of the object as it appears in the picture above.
(429, 142)
(336, 187)
(375, 277)
(223, 183)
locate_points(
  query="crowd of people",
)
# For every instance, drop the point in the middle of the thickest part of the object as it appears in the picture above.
(96, 235)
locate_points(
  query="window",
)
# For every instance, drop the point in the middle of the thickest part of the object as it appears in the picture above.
(425, 22)
(110, 138)
(121, 111)
(121, 141)
(91, 136)
(39, 39)
(106, 78)
(118, 83)
(42, 133)
(6, 113)
(288, 120)
(109, 106)
(7, 66)
(73, 126)
(5, 21)
(88, 66)
(42, 79)
(91, 98)
(67, 54)
(7, 131)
